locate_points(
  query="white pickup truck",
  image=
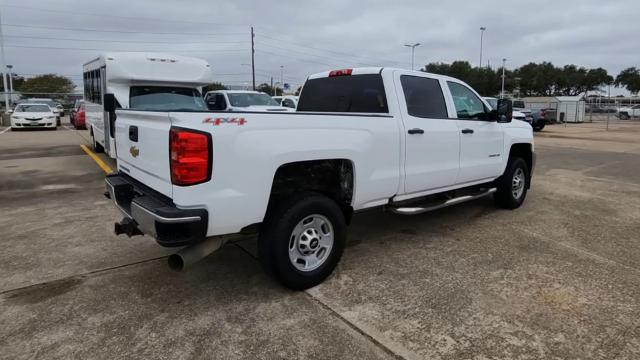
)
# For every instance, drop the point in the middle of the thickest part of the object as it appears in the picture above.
(361, 138)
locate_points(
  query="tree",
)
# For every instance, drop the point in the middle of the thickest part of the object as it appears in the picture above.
(630, 79)
(267, 89)
(485, 81)
(46, 84)
(297, 93)
(213, 86)
(17, 82)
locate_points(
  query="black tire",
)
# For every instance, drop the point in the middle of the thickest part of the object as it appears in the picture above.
(276, 233)
(95, 146)
(538, 127)
(58, 122)
(504, 196)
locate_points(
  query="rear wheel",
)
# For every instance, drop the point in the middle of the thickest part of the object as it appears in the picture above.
(95, 145)
(302, 240)
(538, 127)
(512, 186)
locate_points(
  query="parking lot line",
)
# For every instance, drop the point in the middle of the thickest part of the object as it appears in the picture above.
(95, 158)
(5, 130)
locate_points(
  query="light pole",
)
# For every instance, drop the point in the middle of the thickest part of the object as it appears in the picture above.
(10, 67)
(413, 49)
(4, 78)
(482, 29)
(282, 78)
(502, 91)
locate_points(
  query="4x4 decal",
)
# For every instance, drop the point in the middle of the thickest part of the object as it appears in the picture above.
(221, 121)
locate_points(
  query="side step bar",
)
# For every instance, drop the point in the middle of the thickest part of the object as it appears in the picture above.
(419, 210)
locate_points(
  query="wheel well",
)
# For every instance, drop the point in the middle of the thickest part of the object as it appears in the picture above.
(523, 151)
(331, 177)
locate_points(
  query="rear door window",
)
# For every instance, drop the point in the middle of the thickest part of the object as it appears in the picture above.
(352, 93)
(424, 97)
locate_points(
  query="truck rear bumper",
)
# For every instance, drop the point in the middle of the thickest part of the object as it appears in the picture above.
(154, 214)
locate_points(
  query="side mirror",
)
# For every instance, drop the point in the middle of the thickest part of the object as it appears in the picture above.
(505, 111)
(9, 111)
(109, 103)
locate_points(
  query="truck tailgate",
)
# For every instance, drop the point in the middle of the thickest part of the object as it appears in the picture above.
(142, 145)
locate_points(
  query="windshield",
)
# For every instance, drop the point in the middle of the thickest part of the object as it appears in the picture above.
(32, 108)
(492, 102)
(250, 99)
(163, 98)
(518, 104)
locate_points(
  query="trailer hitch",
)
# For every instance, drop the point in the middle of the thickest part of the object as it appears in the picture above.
(127, 226)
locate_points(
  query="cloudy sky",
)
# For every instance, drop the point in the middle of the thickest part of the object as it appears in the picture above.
(58, 36)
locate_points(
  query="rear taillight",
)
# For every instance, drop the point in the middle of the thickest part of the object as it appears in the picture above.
(342, 72)
(80, 115)
(190, 156)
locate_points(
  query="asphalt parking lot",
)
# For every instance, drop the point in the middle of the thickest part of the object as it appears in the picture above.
(557, 279)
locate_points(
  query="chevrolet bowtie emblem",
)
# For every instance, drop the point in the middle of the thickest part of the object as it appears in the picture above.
(134, 151)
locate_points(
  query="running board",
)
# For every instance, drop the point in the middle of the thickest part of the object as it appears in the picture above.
(419, 210)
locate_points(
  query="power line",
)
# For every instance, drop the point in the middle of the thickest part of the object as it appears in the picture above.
(126, 50)
(328, 50)
(117, 16)
(308, 54)
(122, 41)
(120, 31)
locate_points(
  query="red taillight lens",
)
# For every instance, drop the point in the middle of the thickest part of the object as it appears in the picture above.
(342, 72)
(190, 157)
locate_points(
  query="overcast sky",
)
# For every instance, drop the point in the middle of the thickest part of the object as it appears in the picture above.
(58, 36)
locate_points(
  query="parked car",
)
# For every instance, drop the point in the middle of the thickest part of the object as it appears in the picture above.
(289, 101)
(80, 118)
(626, 113)
(74, 110)
(52, 104)
(519, 105)
(33, 115)
(241, 100)
(518, 115)
(360, 139)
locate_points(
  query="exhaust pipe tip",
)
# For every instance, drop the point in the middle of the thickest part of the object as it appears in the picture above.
(176, 262)
(190, 255)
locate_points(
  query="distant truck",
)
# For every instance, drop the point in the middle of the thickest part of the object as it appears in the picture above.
(363, 138)
(142, 82)
(241, 100)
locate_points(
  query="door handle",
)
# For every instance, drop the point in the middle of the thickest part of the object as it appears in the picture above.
(415, 131)
(467, 131)
(133, 133)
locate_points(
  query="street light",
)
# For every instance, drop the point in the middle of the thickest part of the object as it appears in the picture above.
(413, 48)
(482, 29)
(10, 84)
(502, 91)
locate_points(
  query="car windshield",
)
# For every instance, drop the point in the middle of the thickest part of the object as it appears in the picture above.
(162, 98)
(518, 104)
(32, 108)
(492, 102)
(250, 99)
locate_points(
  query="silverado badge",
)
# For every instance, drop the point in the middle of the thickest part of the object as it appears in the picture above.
(134, 151)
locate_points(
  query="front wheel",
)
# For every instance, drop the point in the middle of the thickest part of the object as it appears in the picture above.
(302, 240)
(512, 186)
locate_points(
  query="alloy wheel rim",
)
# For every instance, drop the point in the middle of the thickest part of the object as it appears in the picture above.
(310, 242)
(518, 183)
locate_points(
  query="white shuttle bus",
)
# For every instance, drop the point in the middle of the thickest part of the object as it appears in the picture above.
(140, 81)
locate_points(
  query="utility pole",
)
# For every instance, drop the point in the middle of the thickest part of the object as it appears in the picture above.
(4, 63)
(273, 90)
(253, 64)
(502, 91)
(10, 67)
(282, 78)
(413, 48)
(482, 29)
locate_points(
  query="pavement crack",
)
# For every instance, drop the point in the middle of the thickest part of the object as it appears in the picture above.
(78, 276)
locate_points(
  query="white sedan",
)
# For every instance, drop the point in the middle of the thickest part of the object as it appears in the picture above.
(33, 116)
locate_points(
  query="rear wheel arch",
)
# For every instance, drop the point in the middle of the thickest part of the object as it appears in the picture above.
(332, 177)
